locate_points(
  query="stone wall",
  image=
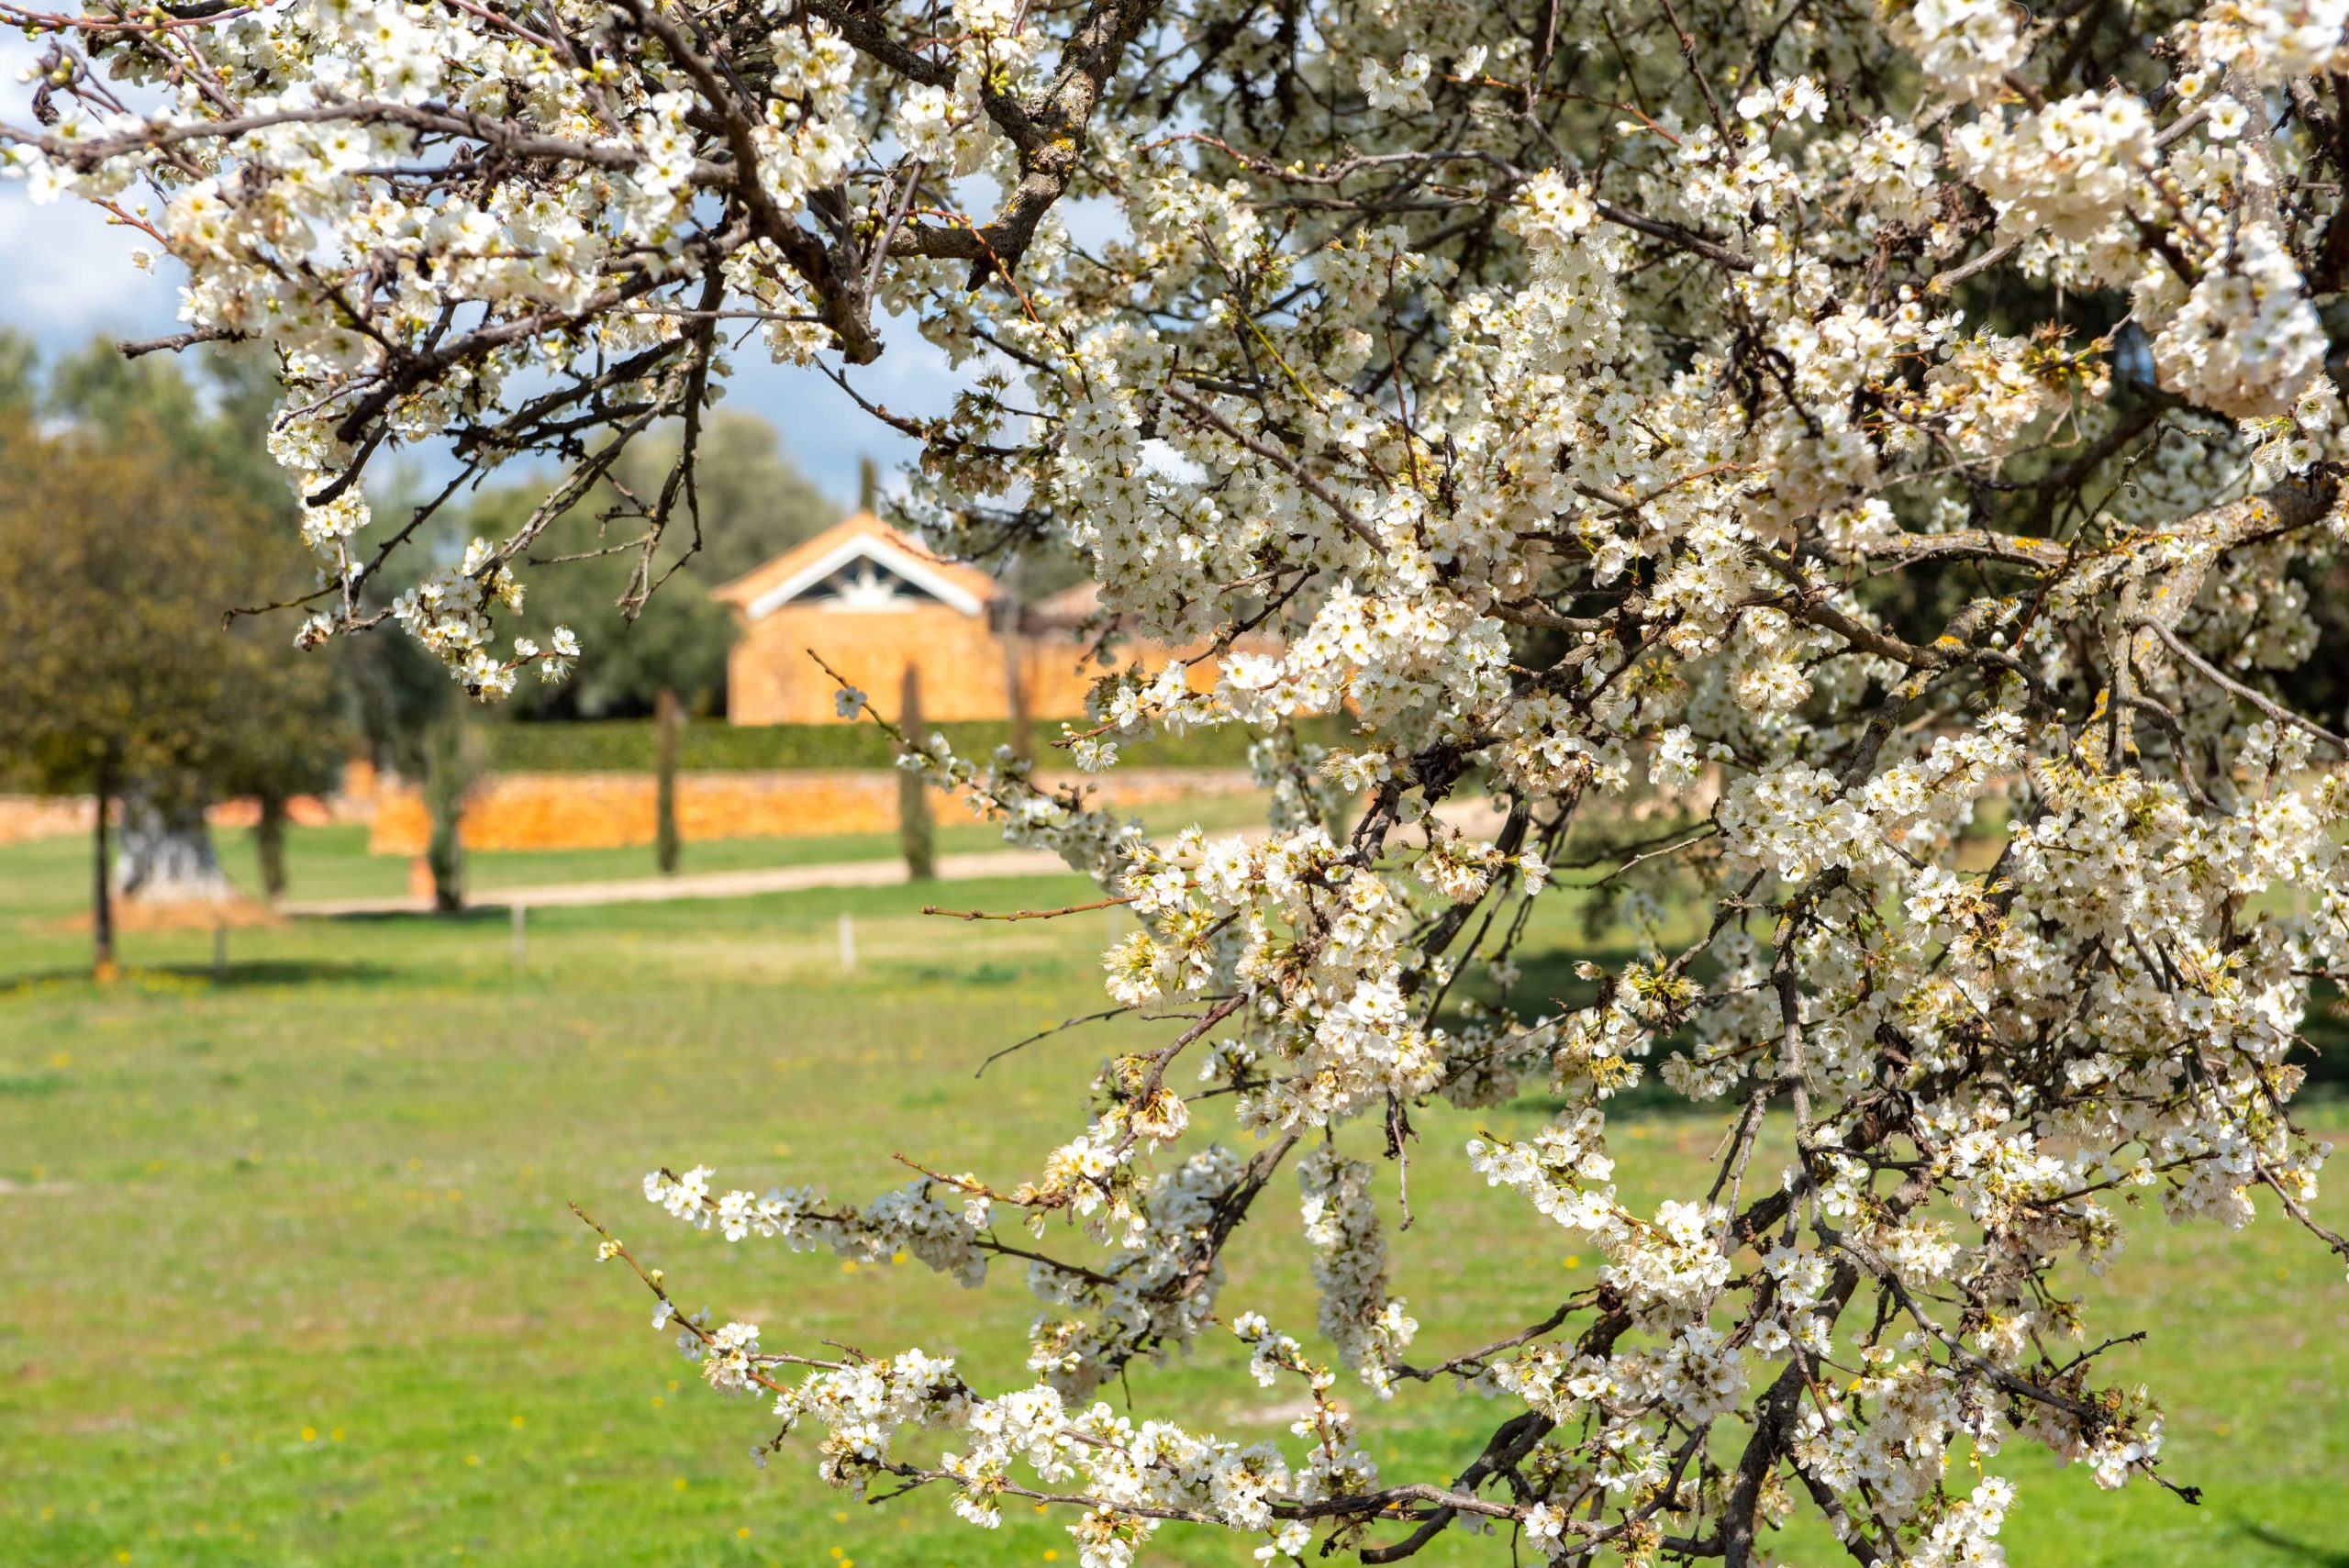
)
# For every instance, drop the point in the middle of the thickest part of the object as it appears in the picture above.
(29, 817)
(584, 811)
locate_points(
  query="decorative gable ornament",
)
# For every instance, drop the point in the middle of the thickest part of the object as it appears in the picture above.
(867, 584)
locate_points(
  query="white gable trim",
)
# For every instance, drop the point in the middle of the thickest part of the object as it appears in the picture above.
(865, 547)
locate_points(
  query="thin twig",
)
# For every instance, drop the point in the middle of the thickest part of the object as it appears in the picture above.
(1024, 914)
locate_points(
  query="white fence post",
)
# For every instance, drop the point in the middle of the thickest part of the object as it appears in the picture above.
(848, 942)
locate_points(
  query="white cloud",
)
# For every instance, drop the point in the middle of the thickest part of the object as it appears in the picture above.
(70, 275)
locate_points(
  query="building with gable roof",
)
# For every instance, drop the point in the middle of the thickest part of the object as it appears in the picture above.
(872, 601)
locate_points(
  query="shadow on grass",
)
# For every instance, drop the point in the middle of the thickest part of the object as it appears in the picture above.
(177, 977)
(280, 971)
(2315, 1554)
(487, 914)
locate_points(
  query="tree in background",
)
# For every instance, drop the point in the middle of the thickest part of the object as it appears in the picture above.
(1859, 421)
(267, 728)
(285, 743)
(453, 765)
(116, 563)
(88, 708)
(167, 852)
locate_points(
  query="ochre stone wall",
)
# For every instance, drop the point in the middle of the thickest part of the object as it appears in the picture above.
(28, 817)
(584, 811)
(24, 818)
(771, 680)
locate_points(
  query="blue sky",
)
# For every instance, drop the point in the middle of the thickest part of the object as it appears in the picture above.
(70, 278)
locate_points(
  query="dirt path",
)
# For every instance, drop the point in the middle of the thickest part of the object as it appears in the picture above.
(706, 884)
(1478, 818)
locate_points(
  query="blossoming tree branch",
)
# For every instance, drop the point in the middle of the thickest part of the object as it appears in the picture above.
(1851, 425)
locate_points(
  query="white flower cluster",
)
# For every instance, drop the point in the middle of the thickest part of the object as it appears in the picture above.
(914, 1219)
(1566, 1172)
(1794, 822)
(2245, 340)
(1138, 1474)
(1370, 1329)
(1157, 1297)
(1964, 46)
(450, 612)
(2068, 169)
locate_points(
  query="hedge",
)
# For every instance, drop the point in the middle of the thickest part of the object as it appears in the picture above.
(713, 745)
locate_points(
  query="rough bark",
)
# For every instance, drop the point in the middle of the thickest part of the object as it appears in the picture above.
(167, 855)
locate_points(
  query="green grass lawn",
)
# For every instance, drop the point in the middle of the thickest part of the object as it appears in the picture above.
(290, 1279)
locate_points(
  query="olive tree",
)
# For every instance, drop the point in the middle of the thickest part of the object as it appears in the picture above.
(115, 566)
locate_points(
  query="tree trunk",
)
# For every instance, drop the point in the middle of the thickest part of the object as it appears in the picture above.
(102, 965)
(444, 856)
(167, 855)
(449, 773)
(664, 789)
(269, 846)
(914, 831)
